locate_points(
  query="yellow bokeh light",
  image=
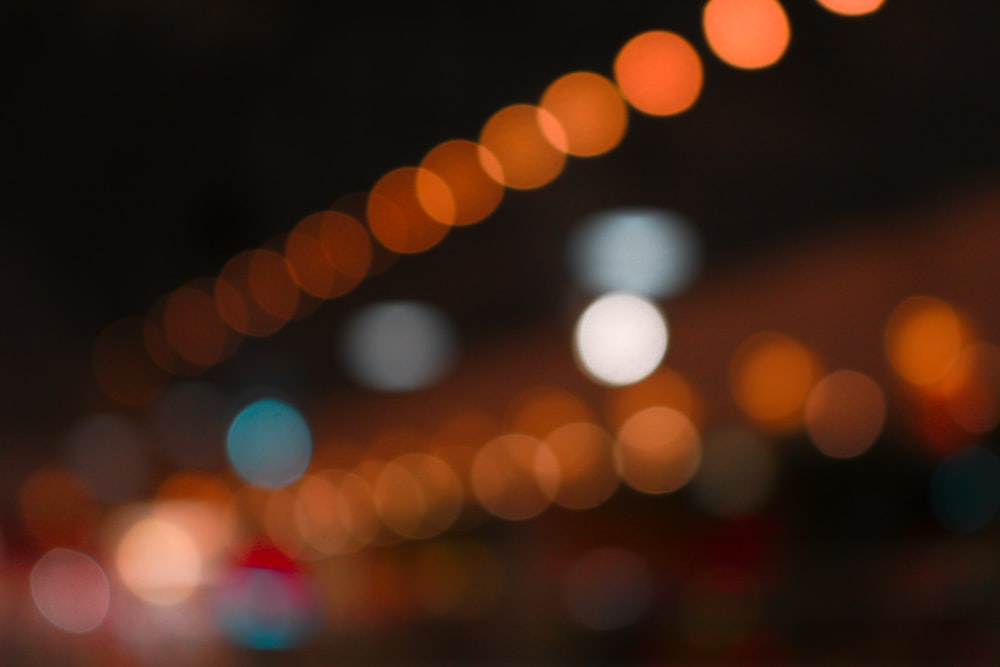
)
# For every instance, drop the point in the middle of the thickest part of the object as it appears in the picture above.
(749, 34)
(590, 110)
(771, 377)
(658, 450)
(525, 141)
(659, 73)
(459, 164)
(923, 337)
(851, 7)
(845, 413)
(396, 214)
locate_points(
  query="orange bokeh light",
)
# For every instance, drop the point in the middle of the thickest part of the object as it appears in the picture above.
(58, 508)
(771, 377)
(515, 477)
(851, 7)
(590, 110)
(396, 214)
(123, 368)
(193, 329)
(749, 34)
(923, 337)
(528, 144)
(459, 165)
(235, 302)
(540, 410)
(328, 254)
(664, 387)
(441, 491)
(585, 454)
(845, 413)
(271, 285)
(971, 388)
(659, 73)
(658, 450)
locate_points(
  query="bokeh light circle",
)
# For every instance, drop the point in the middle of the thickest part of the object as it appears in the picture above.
(159, 562)
(851, 7)
(70, 590)
(658, 450)
(749, 34)
(590, 110)
(659, 73)
(620, 339)
(399, 346)
(651, 252)
(845, 413)
(269, 444)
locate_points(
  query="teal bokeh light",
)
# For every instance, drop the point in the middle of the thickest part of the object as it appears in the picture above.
(269, 444)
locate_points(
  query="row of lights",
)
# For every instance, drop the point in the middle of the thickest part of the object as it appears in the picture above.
(411, 209)
(554, 453)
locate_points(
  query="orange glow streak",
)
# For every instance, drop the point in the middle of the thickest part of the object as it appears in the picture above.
(749, 34)
(271, 285)
(851, 7)
(235, 303)
(515, 477)
(441, 490)
(658, 450)
(348, 247)
(664, 387)
(541, 410)
(528, 144)
(57, 508)
(590, 110)
(459, 165)
(123, 368)
(400, 500)
(971, 388)
(771, 376)
(585, 455)
(659, 73)
(923, 337)
(396, 216)
(845, 414)
(193, 328)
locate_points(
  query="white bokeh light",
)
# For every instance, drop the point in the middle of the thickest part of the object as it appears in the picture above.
(651, 252)
(399, 346)
(620, 339)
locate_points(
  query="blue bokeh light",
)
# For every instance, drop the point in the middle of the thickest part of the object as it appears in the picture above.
(651, 252)
(266, 609)
(269, 444)
(965, 490)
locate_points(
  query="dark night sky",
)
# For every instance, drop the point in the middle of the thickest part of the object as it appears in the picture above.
(145, 143)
